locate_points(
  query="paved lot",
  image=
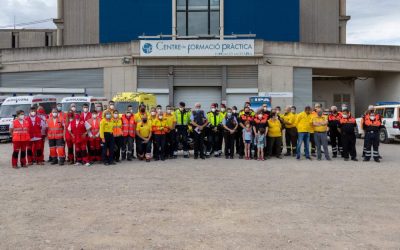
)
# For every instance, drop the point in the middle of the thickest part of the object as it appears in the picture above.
(212, 204)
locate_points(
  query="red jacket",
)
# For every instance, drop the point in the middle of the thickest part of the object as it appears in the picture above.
(78, 131)
(88, 116)
(20, 131)
(35, 130)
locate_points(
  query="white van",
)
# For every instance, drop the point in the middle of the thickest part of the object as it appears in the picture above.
(11, 105)
(390, 120)
(2, 99)
(80, 100)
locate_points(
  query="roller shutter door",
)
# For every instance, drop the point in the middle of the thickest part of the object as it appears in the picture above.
(238, 100)
(242, 76)
(162, 99)
(90, 79)
(302, 89)
(154, 80)
(192, 95)
(197, 76)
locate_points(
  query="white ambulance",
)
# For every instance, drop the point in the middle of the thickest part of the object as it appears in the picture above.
(79, 101)
(390, 113)
(11, 105)
(2, 99)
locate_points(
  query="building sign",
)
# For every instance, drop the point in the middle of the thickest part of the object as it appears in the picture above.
(277, 94)
(196, 48)
(256, 102)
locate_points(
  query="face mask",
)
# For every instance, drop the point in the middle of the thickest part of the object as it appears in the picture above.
(181, 109)
(116, 116)
(160, 117)
(293, 111)
(59, 108)
(229, 114)
(73, 109)
(142, 110)
(169, 112)
(98, 109)
(260, 117)
(153, 113)
(108, 116)
(21, 117)
(372, 117)
(234, 111)
(213, 110)
(128, 114)
(345, 116)
(223, 110)
(33, 113)
(144, 120)
(112, 106)
(94, 116)
(85, 110)
(247, 126)
(265, 109)
(273, 115)
(247, 112)
(320, 113)
(55, 114)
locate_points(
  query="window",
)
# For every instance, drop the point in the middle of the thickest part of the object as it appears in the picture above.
(49, 39)
(379, 111)
(339, 99)
(14, 40)
(197, 17)
(389, 113)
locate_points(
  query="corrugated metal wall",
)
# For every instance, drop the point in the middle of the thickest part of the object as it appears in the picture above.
(198, 76)
(302, 89)
(153, 77)
(242, 76)
(90, 79)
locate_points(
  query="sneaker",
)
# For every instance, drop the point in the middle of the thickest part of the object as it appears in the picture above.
(288, 154)
(366, 160)
(346, 159)
(328, 159)
(77, 164)
(377, 160)
(88, 164)
(354, 159)
(309, 158)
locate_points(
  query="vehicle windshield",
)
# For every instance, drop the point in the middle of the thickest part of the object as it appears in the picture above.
(79, 106)
(122, 107)
(8, 111)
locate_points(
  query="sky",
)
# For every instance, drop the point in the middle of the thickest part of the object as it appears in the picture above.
(372, 21)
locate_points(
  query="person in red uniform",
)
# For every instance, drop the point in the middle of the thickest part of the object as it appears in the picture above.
(68, 137)
(94, 137)
(347, 126)
(371, 124)
(35, 146)
(260, 121)
(56, 135)
(85, 115)
(21, 138)
(78, 130)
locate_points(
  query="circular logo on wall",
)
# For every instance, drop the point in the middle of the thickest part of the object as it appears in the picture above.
(147, 48)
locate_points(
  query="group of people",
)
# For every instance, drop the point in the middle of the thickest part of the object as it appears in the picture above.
(110, 136)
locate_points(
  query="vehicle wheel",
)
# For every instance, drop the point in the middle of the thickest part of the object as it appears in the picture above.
(383, 136)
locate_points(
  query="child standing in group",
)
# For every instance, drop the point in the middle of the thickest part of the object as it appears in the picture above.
(247, 138)
(260, 140)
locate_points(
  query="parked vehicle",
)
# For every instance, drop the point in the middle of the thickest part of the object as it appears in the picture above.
(390, 122)
(79, 101)
(12, 104)
(123, 100)
(2, 99)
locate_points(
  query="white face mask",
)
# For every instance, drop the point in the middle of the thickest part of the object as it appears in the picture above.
(33, 113)
(181, 109)
(223, 110)
(112, 106)
(160, 117)
(260, 116)
(98, 108)
(116, 115)
(229, 114)
(265, 109)
(372, 117)
(85, 110)
(21, 117)
(213, 110)
(234, 111)
(293, 111)
(153, 113)
(345, 116)
(169, 111)
(94, 116)
(73, 109)
(55, 114)
(128, 114)
(108, 116)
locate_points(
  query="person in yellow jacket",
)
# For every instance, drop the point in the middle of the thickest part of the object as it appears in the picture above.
(289, 120)
(274, 134)
(171, 145)
(312, 133)
(118, 135)
(141, 113)
(320, 124)
(159, 129)
(304, 126)
(143, 138)
(107, 138)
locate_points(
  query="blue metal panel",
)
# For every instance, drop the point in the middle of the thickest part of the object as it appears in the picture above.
(125, 20)
(273, 20)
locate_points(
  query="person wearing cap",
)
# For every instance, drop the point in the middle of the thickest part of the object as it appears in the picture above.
(230, 125)
(107, 138)
(129, 134)
(347, 126)
(199, 122)
(78, 130)
(303, 125)
(213, 134)
(171, 148)
(320, 124)
(371, 123)
(334, 134)
(182, 116)
(289, 120)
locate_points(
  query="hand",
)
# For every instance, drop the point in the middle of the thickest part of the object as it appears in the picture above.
(103, 140)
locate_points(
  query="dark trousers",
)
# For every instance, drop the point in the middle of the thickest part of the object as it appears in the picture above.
(159, 146)
(198, 143)
(291, 140)
(171, 146)
(127, 147)
(108, 148)
(372, 141)
(182, 136)
(119, 142)
(239, 142)
(349, 145)
(155, 152)
(143, 149)
(229, 143)
(221, 138)
(336, 141)
(312, 141)
(212, 141)
(274, 146)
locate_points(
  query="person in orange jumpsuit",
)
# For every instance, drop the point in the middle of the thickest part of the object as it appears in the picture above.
(56, 135)
(21, 138)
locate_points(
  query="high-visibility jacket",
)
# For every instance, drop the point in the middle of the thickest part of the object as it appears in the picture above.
(313, 115)
(78, 130)
(117, 127)
(160, 127)
(244, 118)
(128, 126)
(94, 125)
(214, 119)
(252, 113)
(371, 125)
(334, 120)
(304, 122)
(223, 115)
(289, 119)
(347, 125)
(35, 130)
(86, 117)
(261, 123)
(182, 117)
(21, 131)
(55, 128)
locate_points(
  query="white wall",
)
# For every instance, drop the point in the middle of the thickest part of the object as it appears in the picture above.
(323, 91)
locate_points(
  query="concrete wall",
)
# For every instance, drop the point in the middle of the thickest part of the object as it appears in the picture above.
(119, 79)
(364, 92)
(81, 22)
(319, 21)
(5, 39)
(26, 38)
(387, 87)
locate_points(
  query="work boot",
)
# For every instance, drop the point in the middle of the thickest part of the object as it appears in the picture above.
(288, 154)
